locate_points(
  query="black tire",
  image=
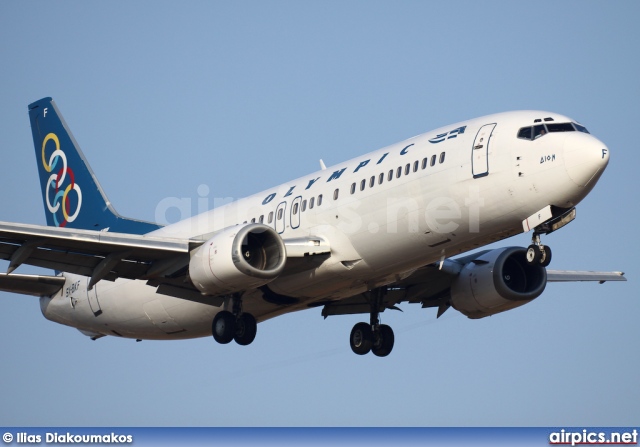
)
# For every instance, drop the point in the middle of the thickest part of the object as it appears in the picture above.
(546, 257)
(384, 341)
(533, 254)
(361, 338)
(223, 327)
(246, 329)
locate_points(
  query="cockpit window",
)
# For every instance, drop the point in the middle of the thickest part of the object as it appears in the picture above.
(560, 127)
(580, 128)
(538, 131)
(535, 132)
(525, 133)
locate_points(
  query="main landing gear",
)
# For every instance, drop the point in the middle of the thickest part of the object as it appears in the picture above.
(375, 337)
(236, 325)
(538, 253)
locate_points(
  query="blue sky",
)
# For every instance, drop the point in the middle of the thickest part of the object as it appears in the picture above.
(166, 96)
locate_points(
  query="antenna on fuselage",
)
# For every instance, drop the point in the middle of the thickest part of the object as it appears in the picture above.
(322, 166)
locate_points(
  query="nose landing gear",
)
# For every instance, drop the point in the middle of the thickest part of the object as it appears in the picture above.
(538, 253)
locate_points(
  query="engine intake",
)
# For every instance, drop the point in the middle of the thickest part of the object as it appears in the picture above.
(497, 281)
(237, 258)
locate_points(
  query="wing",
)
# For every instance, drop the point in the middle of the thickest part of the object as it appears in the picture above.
(96, 254)
(162, 262)
(430, 286)
(572, 276)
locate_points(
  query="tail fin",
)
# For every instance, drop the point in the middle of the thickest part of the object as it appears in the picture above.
(71, 193)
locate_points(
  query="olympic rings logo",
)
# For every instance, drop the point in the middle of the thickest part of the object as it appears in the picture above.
(56, 183)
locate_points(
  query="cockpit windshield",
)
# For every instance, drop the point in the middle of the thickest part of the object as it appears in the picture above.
(535, 132)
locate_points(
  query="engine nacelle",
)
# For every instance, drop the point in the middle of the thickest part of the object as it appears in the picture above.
(238, 258)
(496, 281)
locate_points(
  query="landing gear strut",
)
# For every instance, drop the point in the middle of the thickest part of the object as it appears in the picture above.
(373, 337)
(236, 325)
(538, 253)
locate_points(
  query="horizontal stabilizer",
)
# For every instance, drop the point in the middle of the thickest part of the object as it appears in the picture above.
(37, 285)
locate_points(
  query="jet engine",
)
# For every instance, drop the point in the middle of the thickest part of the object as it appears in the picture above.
(496, 281)
(237, 258)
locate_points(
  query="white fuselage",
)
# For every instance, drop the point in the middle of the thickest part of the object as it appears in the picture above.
(384, 214)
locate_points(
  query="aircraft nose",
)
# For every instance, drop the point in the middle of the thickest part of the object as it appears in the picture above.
(585, 158)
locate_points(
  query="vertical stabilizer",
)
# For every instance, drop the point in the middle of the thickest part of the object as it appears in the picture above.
(72, 195)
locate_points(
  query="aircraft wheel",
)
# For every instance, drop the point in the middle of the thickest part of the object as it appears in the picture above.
(223, 327)
(246, 328)
(384, 341)
(545, 259)
(533, 254)
(361, 338)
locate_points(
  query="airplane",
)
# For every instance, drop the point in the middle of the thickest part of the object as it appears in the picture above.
(360, 237)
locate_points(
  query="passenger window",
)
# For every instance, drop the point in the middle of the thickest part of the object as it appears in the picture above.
(320, 200)
(304, 206)
(399, 172)
(442, 158)
(280, 213)
(407, 168)
(425, 162)
(253, 220)
(311, 202)
(363, 183)
(381, 178)
(335, 194)
(415, 166)
(390, 176)
(261, 219)
(539, 131)
(271, 217)
(525, 133)
(372, 181)
(295, 208)
(433, 159)
(353, 188)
